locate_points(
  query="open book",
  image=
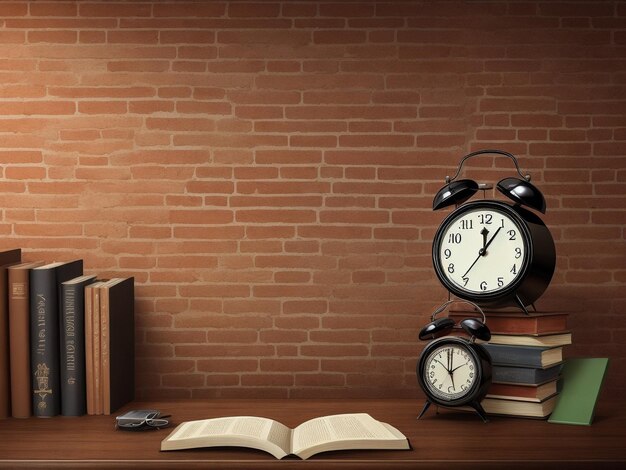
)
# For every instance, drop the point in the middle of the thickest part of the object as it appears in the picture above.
(336, 432)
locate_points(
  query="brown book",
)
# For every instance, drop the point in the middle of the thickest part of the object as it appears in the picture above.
(92, 347)
(555, 339)
(19, 338)
(515, 323)
(117, 343)
(105, 367)
(6, 258)
(522, 409)
(519, 392)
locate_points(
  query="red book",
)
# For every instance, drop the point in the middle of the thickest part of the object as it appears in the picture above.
(514, 323)
(520, 392)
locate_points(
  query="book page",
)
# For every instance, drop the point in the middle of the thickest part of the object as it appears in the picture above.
(245, 431)
(345, 431)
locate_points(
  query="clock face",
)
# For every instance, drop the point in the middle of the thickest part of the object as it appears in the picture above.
(450, 372)
(481, 251)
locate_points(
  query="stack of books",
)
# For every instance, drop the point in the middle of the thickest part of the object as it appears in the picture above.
(62, 349)
(527, 357)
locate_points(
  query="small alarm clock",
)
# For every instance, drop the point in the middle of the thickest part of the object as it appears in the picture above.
(490, 252)
(454, 371)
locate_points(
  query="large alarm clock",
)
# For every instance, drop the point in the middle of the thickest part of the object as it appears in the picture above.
(454, 371)
(492, 252)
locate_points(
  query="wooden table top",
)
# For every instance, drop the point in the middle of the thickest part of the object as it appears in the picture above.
(437, 440)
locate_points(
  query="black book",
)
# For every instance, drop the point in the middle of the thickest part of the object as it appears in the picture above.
(73, 391)
(524, 356)
(117, 342)
(45, 287)
(524, 375)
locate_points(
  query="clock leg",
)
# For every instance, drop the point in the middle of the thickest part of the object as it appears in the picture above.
(426, 406)
(481, 412)
(521, 304)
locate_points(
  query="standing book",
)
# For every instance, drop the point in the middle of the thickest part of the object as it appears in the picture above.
(92, 347)
(336, 432)
(73, 402)
(19, 338)
(45, 287)
(582, 383)
(6, 258)
(117, 343)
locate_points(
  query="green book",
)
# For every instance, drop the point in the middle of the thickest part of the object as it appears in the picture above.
(582, 382)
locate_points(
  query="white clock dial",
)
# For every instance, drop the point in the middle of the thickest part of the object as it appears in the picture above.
(450, 372)
(482, 251)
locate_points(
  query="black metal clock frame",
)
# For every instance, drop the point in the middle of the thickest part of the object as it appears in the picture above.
(479, 388)
(535, 272)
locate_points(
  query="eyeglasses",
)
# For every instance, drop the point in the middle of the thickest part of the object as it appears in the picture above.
(141, 420)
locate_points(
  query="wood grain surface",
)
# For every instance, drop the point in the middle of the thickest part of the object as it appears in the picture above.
(438, 440)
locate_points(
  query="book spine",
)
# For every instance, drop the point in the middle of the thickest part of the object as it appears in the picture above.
(121, 343)
(96, 353)
(6, 258)
(72, 351)
(515, 356)
(19, 339)
(44, 343)
(105, 364)
(89, 385)
(5, 386)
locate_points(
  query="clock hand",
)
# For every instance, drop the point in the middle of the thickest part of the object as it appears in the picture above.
(484, 232)
(489, 242)
(447, 370)
(457, 367)
(482, 251)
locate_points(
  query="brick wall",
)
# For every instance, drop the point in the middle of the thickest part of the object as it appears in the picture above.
(266, 171)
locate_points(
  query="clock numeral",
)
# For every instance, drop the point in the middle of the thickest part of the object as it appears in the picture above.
(512, 234)
(465, 281)
(447, 253)
(500, 281)
(467, 224)
(483, 285)
(463, 387)
(451, 268)
(514, 269)
(454, 238)
(501, 223)
(485, 219)
(518, 253)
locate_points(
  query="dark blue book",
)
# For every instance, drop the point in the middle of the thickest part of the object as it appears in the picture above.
(524, 356)
(524, 375)
(45, 295)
